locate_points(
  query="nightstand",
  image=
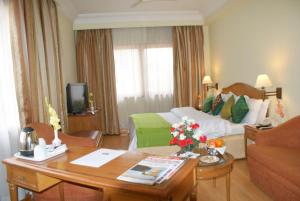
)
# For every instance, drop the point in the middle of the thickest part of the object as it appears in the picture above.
(199, 107)
(250, 133)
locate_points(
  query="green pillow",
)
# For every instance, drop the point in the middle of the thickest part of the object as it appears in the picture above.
(207, 104)
(239, 110)
(217, 105)
(226, 110)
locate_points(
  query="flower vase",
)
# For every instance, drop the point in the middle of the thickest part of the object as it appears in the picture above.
(56, 142)
(188, 148)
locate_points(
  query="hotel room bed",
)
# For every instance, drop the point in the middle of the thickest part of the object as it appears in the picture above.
(212, 126)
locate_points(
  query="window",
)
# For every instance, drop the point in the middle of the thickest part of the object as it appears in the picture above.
(144, 70)
(144, 67)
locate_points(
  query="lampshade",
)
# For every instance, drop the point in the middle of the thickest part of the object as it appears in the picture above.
(263, 80)
(207, 80)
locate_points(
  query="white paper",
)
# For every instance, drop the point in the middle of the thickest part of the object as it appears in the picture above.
(98, 158)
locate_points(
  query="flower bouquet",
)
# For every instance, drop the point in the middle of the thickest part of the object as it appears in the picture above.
(185, 135)
(55, 122)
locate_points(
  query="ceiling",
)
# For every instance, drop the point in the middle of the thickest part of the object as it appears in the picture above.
(77, 7)
(120, 13)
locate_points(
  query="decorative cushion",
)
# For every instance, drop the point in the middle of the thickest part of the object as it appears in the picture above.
(226, 110)
(262, 114)
(225, 97)
(254, 106)
(208, 104)
(217, 105)
(239, 110)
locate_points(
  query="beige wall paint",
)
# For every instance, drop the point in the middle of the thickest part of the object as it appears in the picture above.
(250, 37)
(67, 45)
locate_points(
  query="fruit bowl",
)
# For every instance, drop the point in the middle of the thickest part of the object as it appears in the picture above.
(217, 145)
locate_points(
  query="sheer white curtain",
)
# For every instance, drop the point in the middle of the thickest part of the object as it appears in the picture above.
(144, 70)
(9, 117)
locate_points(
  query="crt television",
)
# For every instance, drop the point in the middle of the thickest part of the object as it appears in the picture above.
(77, 98)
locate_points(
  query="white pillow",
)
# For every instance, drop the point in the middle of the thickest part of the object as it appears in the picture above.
(254, 106)
(262, 114)
(225, 97)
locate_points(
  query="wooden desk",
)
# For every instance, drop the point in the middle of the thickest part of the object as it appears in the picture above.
(39, 176)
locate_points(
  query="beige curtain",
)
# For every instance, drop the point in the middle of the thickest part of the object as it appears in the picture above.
(188, 65)
(36, 55)
(95, 65)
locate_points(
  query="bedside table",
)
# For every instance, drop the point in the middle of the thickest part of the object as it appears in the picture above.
(250, 133)
(199, 107)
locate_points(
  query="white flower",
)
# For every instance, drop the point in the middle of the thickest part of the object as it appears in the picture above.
(175, 125)
(184, 118)
(197, 134)
(182, 136)
(175, 133)
(189, 128)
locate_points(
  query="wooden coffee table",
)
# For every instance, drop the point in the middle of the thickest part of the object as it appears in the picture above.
(218, 170)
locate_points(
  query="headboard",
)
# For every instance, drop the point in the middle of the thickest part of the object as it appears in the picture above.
(244, 89)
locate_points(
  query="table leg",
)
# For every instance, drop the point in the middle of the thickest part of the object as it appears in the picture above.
(13, 191)
(193, 195)
(245, 145)
(61, 191)
(228, 186)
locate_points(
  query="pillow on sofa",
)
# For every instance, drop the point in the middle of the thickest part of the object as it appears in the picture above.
(239, 110)
(226, 110)
(208, 104)
(217, 105)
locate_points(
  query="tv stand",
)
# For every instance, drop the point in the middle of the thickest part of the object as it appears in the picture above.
(84, 122)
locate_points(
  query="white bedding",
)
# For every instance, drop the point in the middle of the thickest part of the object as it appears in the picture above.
(212, 126)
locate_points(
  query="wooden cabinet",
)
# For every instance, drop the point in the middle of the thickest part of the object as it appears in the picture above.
(84, 122)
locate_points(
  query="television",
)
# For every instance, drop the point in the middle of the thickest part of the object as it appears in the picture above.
(77, 98)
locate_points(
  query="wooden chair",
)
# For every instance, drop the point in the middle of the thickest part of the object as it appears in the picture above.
(65, 191)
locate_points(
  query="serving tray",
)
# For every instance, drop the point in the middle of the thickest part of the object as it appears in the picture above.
(50, 152)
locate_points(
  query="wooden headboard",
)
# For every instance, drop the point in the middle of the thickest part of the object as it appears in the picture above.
(244, 89)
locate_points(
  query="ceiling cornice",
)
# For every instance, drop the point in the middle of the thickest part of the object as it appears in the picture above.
(137, 19)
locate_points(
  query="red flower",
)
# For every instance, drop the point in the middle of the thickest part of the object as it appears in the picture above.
(182, 143)
(174, 141)
(172, 129)
(195, 126)
(180, 131)
(203, 138)
(189, 141)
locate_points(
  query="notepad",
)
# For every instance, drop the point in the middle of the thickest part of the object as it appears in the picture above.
(98, 158)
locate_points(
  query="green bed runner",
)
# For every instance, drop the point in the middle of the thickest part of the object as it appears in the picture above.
(151, 130)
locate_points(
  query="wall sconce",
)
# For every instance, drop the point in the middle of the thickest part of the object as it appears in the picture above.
(209, 84)
(264, 81)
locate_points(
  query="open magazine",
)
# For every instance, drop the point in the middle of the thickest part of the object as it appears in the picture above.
(152, 170)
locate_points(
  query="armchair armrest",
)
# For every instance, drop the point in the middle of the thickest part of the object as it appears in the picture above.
(284, 135)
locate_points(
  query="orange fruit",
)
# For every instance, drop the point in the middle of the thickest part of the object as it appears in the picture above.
(219, 143)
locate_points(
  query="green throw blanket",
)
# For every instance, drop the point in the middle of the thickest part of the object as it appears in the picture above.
(151, 130)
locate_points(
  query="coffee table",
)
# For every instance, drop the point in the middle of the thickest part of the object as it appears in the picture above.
(218, 170)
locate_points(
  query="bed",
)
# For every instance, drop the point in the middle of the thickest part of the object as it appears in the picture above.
(212, 126)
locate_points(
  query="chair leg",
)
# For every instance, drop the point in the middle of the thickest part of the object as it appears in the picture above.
(61, 191)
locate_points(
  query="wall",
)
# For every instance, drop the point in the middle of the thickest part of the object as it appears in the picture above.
(67, 45)
(250, 37)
